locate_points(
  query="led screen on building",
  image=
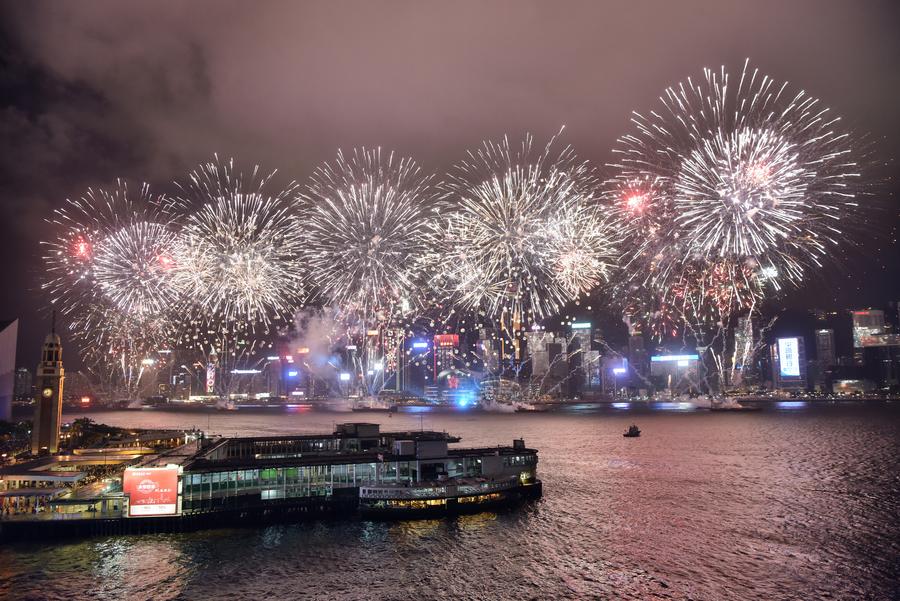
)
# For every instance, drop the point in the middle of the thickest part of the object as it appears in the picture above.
(446, 340)
(789, 357)
(151, 491)
(210, 378)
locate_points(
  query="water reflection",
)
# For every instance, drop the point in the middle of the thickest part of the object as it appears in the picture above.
(126, 567)
(778, 504)
(791, 404)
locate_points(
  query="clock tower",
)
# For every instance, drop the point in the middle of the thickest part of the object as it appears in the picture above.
(48, 404)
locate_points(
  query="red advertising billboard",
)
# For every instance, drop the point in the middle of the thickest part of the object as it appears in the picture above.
(446, 340)
(151, 491)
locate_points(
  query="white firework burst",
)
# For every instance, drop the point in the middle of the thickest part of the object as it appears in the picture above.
(369, 222)
(525, 234)
(238, 259)
(742, 171)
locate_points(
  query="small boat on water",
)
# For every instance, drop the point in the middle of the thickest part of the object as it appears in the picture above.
(632, 432)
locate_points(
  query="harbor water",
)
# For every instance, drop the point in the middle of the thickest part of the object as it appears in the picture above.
(793, 502)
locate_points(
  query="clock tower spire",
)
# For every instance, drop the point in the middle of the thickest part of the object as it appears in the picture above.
(48, 405)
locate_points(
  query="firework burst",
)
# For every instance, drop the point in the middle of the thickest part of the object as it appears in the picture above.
(525, 234)
(110, 275)
(731, 189)
(369, 222)
(115, 246)
(238, 259)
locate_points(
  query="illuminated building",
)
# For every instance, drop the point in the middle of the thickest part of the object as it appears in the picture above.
(638, 357)
(868, 325)
(789, 364)
(869, 329)
(445, 349)
(536, 347)
(825, 352)
(48, 404)
(875, 346)
(616, 375)
(743, 359)
(676, 373)
(24, 384)
(8, 332)
(559, 365)
(418, 369)
(826, 359)
(392, 359)
(487, 351)
(583, 362)
(211, 374)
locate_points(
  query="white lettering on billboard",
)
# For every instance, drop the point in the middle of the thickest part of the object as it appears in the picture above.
(789, 356)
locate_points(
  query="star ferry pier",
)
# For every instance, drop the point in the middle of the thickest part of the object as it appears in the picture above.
(357, 470)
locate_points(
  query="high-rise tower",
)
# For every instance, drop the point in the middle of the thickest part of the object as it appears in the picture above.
(48, 405)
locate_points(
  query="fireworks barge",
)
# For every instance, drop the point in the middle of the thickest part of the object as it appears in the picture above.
(356, 471)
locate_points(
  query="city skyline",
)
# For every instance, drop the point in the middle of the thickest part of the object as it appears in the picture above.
(47, 87)
(417, 299)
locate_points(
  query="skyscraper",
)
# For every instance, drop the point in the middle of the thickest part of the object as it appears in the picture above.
(789, 364)
(22, 389)
(825, 348)
(9, 331)
(638, 357)
(536, 346)
(445, 351)
(744, 343)
(868, 325)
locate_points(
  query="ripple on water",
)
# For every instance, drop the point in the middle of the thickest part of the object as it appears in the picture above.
(767, 505)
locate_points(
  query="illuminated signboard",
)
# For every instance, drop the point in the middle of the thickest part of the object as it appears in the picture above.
(420, 345)
(151, 491)
(869, 329)
(581, 325)
(789, 356)
(210, 378)
(446, 340)
(677, 358)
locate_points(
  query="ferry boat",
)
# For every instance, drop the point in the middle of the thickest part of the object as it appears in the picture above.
(507, 476)
(228, 482)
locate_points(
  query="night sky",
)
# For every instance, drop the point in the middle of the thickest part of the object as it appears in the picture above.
(91, 91)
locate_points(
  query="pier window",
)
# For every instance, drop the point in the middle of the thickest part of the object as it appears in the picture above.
(291, 475)
(455, 468)
(473, 466)
(365, 472)
(389, 472)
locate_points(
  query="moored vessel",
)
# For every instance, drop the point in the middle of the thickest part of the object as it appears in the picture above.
(227, 482)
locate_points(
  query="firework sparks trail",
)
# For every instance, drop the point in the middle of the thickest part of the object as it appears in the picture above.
(112, 244)
(238, 260)
(369, 221)
(109, 272)
(526, 235)
(742, 176)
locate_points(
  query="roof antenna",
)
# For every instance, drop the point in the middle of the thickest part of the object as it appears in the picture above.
(53, 322)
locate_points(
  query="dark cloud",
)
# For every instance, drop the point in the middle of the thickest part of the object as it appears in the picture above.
(94, 90)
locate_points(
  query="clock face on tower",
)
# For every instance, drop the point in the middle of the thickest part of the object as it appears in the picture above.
(47, 392)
